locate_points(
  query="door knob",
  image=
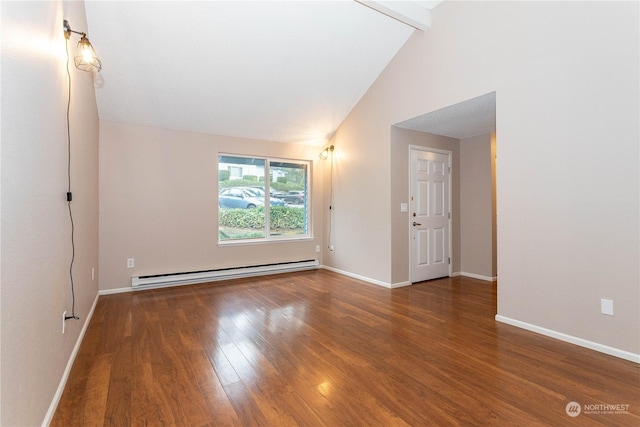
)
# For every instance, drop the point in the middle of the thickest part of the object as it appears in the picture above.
(416, 223)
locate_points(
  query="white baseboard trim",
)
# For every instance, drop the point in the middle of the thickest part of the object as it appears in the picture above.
(137, 289)
(366, 279)
(622, 354)
(67, 370)
(117, 290)
(474, 276)
(400, 284)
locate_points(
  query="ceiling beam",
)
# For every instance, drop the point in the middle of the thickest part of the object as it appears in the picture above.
(411, 13)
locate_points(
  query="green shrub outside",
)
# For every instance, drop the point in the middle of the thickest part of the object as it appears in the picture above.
(253, 178)
(241, 218)
(236, 183)
(285, 187)
(223, 175)
(282, 217)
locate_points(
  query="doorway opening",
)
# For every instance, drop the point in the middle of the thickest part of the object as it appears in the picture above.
(473, 226)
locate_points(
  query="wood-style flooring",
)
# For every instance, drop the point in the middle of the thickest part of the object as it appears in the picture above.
(320, 349)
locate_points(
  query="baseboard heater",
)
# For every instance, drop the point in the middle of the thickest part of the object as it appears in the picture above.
(188, 278)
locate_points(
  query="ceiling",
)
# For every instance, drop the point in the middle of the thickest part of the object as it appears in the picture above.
(476, 116)
(287, 71)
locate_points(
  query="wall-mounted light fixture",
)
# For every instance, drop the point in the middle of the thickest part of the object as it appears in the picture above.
(324, 154)
(85, 59)
(85, 56)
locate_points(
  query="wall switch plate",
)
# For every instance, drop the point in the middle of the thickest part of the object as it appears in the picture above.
(130, 263)
(606, 306)
(404, 207)
(317, 248)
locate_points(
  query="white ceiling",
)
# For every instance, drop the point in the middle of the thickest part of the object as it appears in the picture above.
(286, 71)
(476, 116)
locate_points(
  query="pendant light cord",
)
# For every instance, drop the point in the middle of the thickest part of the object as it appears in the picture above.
(329, 246)
(69, 196)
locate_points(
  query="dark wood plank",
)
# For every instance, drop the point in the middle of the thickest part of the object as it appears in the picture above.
(317, 348)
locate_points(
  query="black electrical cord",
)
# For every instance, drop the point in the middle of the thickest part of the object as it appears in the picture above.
(329, 246)
(69, 196)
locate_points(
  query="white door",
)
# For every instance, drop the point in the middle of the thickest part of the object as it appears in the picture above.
(429, 218)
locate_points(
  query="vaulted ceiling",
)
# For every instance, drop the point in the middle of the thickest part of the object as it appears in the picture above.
(287, 71)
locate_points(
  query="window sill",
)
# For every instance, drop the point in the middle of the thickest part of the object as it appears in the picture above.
(265, 241)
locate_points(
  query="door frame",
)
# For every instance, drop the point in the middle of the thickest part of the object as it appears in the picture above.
(449, 155)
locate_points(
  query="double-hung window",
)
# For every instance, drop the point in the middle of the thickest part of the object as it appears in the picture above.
(262, 199)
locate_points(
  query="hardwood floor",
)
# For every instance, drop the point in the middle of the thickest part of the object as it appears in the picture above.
(320, 349)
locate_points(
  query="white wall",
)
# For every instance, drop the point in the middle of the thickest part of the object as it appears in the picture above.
(566, 81)
(159, 204)
(36, 232)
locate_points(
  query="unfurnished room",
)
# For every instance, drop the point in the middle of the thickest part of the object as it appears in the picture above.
(320, 213)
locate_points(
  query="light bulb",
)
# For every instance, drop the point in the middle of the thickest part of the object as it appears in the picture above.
(86, 58)
(86, 54)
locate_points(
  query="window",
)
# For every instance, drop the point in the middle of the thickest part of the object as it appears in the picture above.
(253, 208)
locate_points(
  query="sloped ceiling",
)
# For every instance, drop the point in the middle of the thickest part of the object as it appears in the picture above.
(287, 71)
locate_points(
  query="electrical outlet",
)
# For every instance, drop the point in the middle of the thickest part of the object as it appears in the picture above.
(64, 320)
(130, 263)
(606, 306)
